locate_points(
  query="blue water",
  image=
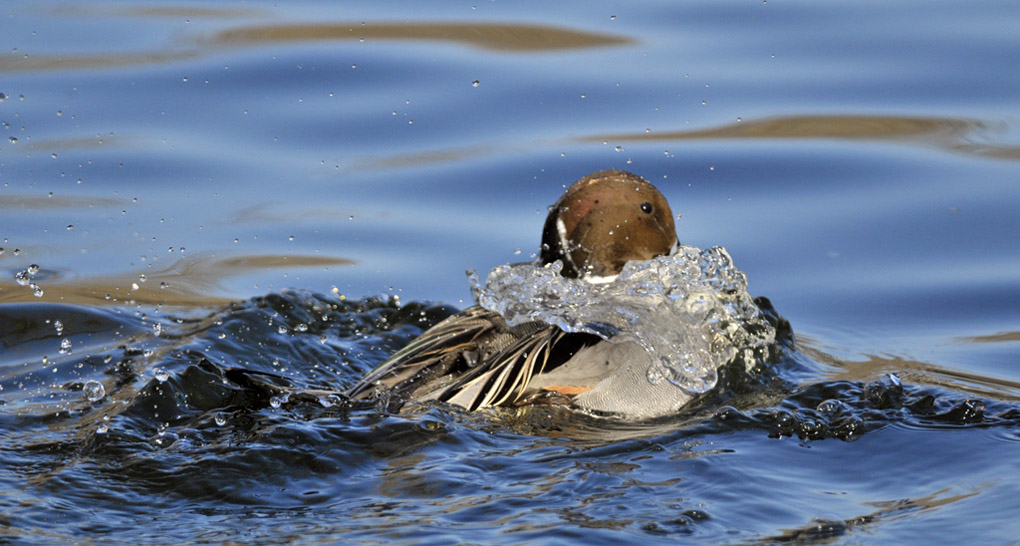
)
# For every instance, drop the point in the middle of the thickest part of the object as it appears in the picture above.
(284, 188)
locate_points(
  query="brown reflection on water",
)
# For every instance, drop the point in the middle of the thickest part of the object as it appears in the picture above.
(952, 134)
(993, 338)
(36, 63)
(492, 36)
(913, 371)
(489, 36)
(34, 202)
(191, 281)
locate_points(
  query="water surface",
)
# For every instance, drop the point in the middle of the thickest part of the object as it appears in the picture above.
(225, 196)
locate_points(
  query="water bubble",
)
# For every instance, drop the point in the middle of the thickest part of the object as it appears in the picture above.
(93, 390)
(160, 374)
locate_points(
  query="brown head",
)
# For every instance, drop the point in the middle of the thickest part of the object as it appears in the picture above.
(603, 221)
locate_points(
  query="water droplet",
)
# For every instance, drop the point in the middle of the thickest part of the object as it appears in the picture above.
(330, 400)
(59, 326)
(32, 269)
(102, 429)
(36, 291)
(157, 329)
(65, 346)
(14, 140)
(301, 327)
(277, 401)
(134, 286)
(517, 251)
(70, 227)
(93, 390)
(160, 374)
(476, 83)
(220, 419)
(291, 238)
(281, 330)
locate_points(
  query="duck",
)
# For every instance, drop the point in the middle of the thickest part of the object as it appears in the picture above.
(475, 359)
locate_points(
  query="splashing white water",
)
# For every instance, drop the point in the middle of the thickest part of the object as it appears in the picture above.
(690, 310)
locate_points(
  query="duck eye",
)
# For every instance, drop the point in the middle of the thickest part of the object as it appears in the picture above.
(647, 208)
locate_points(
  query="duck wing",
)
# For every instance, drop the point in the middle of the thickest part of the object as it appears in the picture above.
(473, 359)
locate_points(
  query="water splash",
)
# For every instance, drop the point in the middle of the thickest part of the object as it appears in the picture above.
(690, 310)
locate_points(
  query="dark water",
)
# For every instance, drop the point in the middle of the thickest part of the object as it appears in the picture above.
(226, 196)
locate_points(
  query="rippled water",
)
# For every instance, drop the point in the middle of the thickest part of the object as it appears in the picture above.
(236, 210)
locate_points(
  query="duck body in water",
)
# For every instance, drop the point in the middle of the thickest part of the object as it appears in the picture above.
(476, 359)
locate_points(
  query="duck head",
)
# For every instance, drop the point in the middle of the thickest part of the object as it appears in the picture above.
(603, 221)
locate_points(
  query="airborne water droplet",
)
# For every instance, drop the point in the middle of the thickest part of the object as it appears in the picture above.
(93, 390)
(160, 374)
